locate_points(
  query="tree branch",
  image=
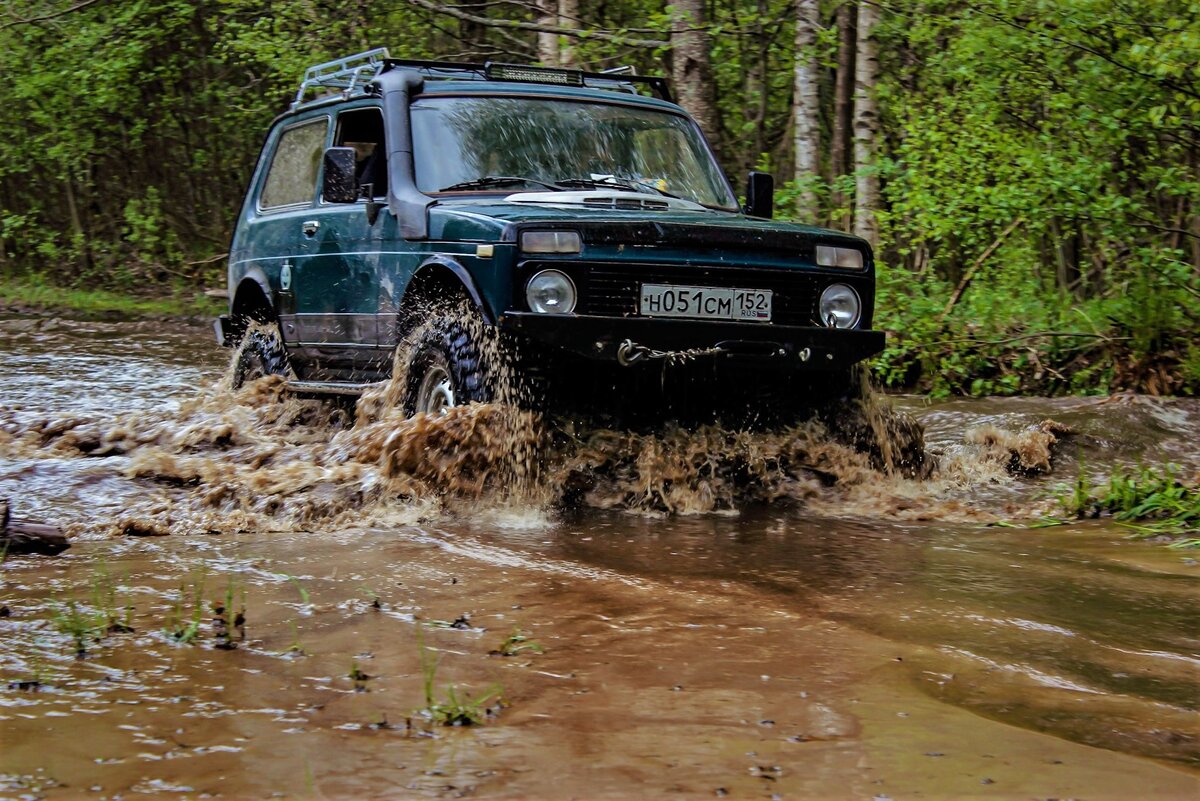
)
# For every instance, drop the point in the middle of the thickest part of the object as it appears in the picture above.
(575, 33)
(966, 279)
(1023, 337)
(50, 15)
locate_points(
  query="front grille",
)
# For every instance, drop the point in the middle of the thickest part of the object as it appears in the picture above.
(613, 290)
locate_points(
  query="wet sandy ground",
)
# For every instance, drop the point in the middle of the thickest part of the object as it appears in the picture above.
(785, 650)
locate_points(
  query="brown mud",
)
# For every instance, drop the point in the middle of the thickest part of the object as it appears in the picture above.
(259, 458)
(716, 612)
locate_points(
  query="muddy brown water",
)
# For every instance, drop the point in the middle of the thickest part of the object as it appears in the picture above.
(718, 614)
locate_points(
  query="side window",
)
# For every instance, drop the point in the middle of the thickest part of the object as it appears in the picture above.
(292, 178)
(362, 129)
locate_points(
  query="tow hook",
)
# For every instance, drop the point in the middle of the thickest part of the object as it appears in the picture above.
(628, 353)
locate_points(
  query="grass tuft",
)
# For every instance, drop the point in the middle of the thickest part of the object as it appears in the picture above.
(517, 643)
(1152, 503)
(454, 707)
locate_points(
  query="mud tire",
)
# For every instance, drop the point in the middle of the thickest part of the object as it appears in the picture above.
(447, 345)
(262, 354)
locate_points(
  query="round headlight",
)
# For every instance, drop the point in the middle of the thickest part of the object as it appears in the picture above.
(551, 292)
(840, 306)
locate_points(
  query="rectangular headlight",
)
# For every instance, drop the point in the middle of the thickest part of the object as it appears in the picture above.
(847, 258)
(551, 242)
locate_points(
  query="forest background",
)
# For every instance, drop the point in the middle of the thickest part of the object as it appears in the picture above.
(1028, 169)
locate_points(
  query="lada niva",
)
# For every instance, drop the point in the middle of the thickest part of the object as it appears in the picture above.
(579, 218)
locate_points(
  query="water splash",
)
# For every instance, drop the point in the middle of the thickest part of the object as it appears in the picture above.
(260, 459)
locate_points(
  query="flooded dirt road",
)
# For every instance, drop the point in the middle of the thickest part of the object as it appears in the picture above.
(713, 614)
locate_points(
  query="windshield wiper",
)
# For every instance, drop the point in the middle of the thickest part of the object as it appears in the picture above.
(631, 184)
(498, 180)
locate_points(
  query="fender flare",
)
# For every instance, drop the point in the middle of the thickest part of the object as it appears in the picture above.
(256, 276)
(464, 277)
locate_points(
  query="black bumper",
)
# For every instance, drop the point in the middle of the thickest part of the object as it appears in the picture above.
(227, 336)
(601, 338)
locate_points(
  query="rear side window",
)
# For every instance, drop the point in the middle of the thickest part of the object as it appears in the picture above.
(292, 178)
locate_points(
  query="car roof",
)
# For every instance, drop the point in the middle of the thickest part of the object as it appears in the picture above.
(511, 88)
(479, 88)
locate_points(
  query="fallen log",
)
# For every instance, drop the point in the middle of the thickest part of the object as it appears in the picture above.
(23, 536)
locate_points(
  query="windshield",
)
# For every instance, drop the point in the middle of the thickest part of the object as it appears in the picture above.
(460, 140)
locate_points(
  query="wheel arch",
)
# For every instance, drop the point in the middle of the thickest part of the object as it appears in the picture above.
(251, 302)
(438, 279)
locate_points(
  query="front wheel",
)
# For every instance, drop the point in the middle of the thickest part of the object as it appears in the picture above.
(447, 369)
(262, 354)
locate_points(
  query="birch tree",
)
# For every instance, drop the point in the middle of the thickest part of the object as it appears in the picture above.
(843, 104)
(807, 109)
(568, 17)
(547, 41)
(866, 125)
(690, 52)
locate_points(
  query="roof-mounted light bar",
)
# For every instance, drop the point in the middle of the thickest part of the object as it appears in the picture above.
(526, 74)
(620, 79)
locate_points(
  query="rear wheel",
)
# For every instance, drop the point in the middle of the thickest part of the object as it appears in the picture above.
(262, 354)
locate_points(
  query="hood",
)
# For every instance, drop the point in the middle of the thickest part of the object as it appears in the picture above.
(601, 226)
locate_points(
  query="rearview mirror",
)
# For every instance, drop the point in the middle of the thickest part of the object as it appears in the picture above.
(760, 195)
(338, 184)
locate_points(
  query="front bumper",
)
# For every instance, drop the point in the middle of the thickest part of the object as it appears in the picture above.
(227, 336)
(601, 338)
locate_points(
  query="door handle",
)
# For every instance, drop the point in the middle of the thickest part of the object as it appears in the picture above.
(309, 227)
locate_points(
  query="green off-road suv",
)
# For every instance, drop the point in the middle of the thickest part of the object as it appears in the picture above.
(577, 221)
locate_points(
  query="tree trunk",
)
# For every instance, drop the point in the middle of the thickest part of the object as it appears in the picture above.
(866, 125)
(547, 14)
(568, 17)
(473, 34)
(843, 102)
(690, 50)
(807, 110)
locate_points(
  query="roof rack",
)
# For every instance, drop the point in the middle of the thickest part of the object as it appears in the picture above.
(349, 74)
(352, 74)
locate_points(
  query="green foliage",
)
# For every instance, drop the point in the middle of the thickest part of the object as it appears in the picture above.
(455, 707)
(296, 648)
(114, 616)
(36, 290)
(1149, 501)
(184, 626)
(299, 588)
(108, 613)
(1044, 113)
(79, 625)
(517, 642)
(1073, 120)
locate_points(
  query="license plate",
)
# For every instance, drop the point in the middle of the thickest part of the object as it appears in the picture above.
(706, 302)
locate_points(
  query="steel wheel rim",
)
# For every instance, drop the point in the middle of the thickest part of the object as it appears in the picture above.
(436, 393)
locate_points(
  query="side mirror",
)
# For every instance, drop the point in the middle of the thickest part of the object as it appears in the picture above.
(338, 184)
(760, 195)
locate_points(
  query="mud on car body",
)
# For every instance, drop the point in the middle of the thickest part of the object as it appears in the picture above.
(580, 218)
